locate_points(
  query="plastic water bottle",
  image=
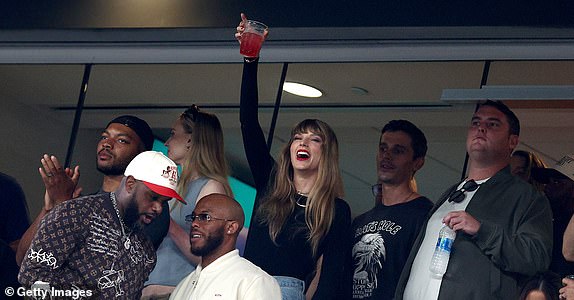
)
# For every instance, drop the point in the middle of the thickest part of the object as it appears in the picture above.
(441, 255)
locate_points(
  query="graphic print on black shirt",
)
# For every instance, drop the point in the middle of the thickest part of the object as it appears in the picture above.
(382, 238)
(369, 255)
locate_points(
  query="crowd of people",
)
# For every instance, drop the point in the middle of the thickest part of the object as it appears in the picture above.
(152, 232)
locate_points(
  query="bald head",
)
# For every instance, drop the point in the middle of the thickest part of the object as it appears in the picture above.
(224, 207)
(216, 233)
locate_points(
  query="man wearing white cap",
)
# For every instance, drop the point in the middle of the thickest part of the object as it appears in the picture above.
(94, 243)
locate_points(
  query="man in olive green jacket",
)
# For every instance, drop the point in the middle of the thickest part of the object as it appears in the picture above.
(503, 225)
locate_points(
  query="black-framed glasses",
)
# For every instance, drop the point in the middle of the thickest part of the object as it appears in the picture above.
(458, 195)
(192, 112)
(377, 189)
(204, 218)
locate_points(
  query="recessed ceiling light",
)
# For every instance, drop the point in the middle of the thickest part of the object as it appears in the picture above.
(302, 90)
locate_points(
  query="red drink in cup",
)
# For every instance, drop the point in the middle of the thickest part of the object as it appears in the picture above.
(250, 44)
(252, 38)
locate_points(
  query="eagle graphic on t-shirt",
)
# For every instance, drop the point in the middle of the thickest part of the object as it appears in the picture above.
(369, 254)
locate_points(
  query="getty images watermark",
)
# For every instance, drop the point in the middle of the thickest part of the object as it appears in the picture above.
(42, 290)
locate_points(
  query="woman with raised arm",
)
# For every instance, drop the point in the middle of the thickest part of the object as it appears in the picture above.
(300, 233)
(196, 144)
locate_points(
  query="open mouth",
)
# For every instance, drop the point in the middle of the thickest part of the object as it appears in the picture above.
(303, 155)
(148, 218)
(194, 236)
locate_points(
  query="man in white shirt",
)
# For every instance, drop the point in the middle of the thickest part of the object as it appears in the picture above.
(503, 224)
(215, 224)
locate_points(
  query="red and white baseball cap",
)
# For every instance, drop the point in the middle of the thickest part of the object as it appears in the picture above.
(157, 172)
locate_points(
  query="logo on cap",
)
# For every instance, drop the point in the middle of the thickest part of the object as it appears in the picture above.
(171, 174)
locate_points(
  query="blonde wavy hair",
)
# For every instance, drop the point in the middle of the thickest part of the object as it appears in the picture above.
(207, 155)
(320, 208)
(532, 161)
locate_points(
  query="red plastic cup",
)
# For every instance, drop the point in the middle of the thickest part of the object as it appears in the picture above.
(252, 38)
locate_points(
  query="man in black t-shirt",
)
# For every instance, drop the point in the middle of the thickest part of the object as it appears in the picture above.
(383, 236)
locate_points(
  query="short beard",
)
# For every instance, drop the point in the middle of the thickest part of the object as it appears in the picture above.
(211, 244)
(131, 216)
(117, 169)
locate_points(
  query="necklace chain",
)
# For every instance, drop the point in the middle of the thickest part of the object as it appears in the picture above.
(125, 237)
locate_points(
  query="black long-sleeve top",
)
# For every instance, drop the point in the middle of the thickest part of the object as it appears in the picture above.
(292, 253)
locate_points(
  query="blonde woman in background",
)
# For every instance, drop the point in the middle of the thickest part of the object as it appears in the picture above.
(195, 144)
(521, 165)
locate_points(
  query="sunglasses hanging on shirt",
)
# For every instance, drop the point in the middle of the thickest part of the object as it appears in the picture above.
(458, 195)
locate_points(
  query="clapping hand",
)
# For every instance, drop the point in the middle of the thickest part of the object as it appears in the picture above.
(61, 184)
